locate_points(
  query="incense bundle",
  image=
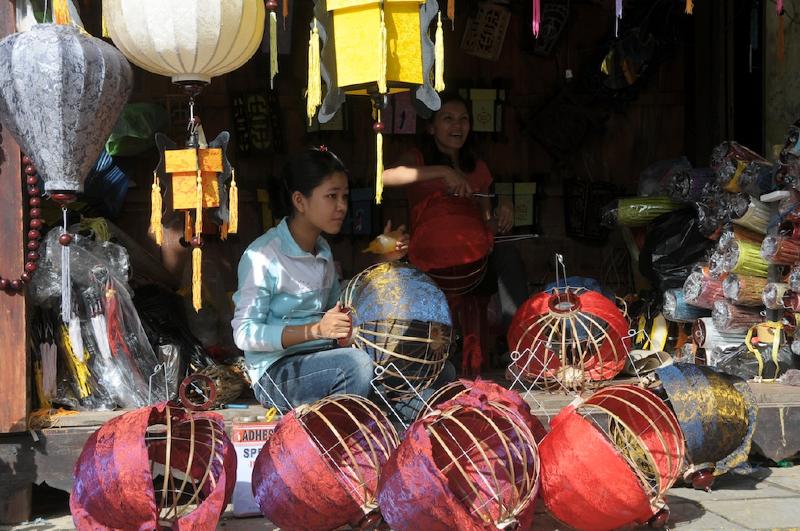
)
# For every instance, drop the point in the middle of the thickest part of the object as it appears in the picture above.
(706, 335)
(731, 318)
(732, 233)
(677, 310)
(745, 258)
(744, 290)
(716, 265)
(773, 295)
(639, 211)
(702, 290)
(780, 250)
(749, 213)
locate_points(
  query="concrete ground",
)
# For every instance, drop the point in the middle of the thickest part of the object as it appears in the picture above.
(761, 498)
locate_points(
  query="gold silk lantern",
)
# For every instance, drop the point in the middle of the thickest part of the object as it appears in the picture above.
(374, 48)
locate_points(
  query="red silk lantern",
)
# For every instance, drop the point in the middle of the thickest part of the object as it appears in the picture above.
(608, 461)
(319, 469)
(569, 338)
(114, 481)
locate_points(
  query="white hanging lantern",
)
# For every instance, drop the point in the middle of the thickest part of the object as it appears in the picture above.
(189, 40)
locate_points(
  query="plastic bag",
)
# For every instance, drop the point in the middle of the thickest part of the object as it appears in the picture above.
(741, 362)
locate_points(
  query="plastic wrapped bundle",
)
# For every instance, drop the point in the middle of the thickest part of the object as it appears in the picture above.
(760, 360)
(709, 219)
(740, 169)
(773, 295)
(732, 233)
(731, 318)
(780, 250)
(789, 208)
(639, 211)
(702, 290)
(744, 290)
(716, 265)
(707, 336)
(749, 213)
(745, 258)
(691, 185)
(794, 278)
(676, 309)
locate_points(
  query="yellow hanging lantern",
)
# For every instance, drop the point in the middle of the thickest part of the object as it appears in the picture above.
(374, 48)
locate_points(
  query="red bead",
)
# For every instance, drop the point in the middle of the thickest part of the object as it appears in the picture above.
(34, 234)
(703, 480)
(25, 277)
(32, 180)
(32, 256)
(33, 245)
(35, 201)
(34, 191)
(65, 239)
(36, 223)
(63, 198)
(15, 285)
(3, 284)
(660, 519)
(35, 213)
(30, 267)
(197, 241)
(272, 5)
(378, 127)
(30, 170)
(26, 160)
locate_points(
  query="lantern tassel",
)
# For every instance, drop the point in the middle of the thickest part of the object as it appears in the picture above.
(379, 163)
(66, 281)
(197, 254)
(438, 83)
(273, 48)
(537, 17)
(104, 28)
(233, 205)
(382, 58)
(689, 7)
(155, 210)
(314, 95)
(61, 12)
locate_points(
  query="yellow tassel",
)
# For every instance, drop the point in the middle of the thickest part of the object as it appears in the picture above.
(44, 400)
(314, 95)
(197, 273)
(438, 53)
(273, 47)
(77, 367)
(689, 7)
(155, 210)
(105, 28)
(382, 59)
(197, 254)
(233, 205)
(379, 165)
(61, 12)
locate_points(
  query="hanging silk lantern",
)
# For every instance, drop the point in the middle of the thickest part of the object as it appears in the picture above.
(457, 264)
(717, 415)
(319, 468)
(609, 460)
(114, 481)
(569, 339)
(471, 464)
(402, 320)
(374, 48)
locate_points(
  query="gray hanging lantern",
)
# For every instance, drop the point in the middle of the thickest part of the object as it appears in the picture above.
(61, 92)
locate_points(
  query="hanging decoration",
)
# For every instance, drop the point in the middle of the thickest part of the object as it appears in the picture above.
(61, 92)
(402, 320)
(689, 7)
(537, 17)
(199, 472)
(319, 468)
(608, 461)
(373, 48)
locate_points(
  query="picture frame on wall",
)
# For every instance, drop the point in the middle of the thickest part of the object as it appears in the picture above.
(485, 31)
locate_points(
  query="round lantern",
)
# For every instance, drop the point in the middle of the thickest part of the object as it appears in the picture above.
(319, 469)
(61, 92)
(569, 338)
(607, 462)
(189, 41)
(472, 464)
(115, 473)
(717, 415)
(402, 320)
(450, 242)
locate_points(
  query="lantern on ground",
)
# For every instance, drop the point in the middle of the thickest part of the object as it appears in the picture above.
(374, 48)
(319, 469)
(158, 467)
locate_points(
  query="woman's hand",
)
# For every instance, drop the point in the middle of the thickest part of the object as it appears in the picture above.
(401, 238)
(456, 182)
(335, 324)
(504, 213)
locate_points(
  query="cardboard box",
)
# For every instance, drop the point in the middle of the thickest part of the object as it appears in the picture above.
(248, 438)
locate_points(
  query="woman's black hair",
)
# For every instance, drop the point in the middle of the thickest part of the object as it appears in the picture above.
(302, 173)
(430, 151)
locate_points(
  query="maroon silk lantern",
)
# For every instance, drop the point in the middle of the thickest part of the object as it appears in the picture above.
(114, 475)
(472, 464)
(319, 469)
(569, 339)
(607, 462)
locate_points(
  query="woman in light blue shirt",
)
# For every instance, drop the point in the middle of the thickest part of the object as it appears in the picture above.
(287, 280)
